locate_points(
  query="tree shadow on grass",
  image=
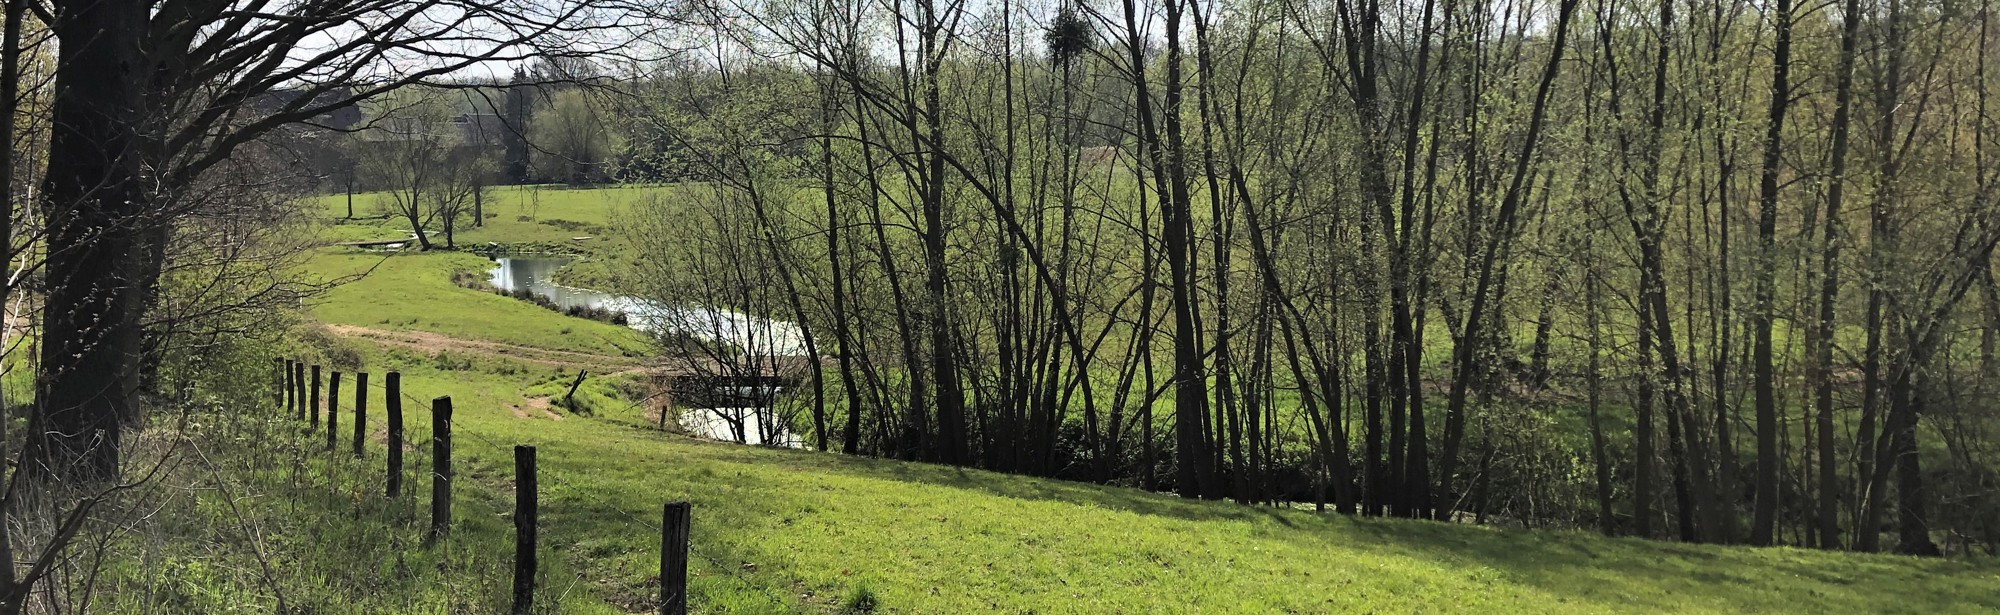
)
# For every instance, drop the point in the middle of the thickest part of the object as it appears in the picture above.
(1647, 575)
(1571, 567)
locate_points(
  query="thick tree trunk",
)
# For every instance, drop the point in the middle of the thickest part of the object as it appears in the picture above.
(1194, 468)
(104, 245)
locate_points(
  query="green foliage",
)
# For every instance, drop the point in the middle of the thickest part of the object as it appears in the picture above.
(1068, 36)
(574, 142)
(795, 531)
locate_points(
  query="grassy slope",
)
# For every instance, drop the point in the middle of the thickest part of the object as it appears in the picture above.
(415, 293)
(932, 539)
(333, 543)
(813, 528)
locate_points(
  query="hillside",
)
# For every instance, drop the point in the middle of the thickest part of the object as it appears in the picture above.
(597, 307)
(788, 531)
(796, 531)
(799, 531)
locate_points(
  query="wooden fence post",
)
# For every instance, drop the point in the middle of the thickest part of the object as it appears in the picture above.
(312, 399)
(394, 400)
(525, 505)
(286, 380)
(360, 411)
(569, 398)
(299, 390)
(674, 522)
(333, 412)
(278, 394)
(440, 469)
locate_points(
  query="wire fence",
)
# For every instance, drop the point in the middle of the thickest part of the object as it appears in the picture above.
(417, 452)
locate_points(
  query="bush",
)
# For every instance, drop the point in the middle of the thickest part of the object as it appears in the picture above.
(333, 349)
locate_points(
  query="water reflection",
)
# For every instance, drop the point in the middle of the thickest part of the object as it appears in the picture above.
(752, 336)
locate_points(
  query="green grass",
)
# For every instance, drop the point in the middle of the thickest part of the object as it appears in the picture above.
(577, 221)
(795, 531)
(334, 543)
(413, 292)
(782, 531)
(514, 215)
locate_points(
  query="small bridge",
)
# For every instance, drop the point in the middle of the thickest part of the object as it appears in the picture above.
(717, 391)
(378, 243)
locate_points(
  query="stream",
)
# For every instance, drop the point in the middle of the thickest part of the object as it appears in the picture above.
(758, 336)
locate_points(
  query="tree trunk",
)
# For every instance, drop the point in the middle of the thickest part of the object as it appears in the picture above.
(1764, 519)
(1606, 522)
(104, 244)
(1829, 291)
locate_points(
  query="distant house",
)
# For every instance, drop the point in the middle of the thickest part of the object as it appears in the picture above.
(480, 133)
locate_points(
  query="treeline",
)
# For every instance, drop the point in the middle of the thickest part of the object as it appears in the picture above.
(1715, 271)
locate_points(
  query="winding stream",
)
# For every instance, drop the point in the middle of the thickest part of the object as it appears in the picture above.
(754, 335)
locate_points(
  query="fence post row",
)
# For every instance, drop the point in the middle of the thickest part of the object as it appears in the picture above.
(525, 511)
(394, 398)
(360, 411)
(301, 396)
(440, 469)
(312, 399)
(333, 412)
(674, 524)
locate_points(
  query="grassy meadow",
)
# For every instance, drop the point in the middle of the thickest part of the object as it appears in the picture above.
(785, 531)
(797, 531)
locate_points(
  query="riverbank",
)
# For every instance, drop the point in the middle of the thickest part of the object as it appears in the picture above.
(806, 532)
(796, 531)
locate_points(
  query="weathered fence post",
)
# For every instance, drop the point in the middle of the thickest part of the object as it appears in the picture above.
(440, 469)
(360, 411)
(674, 524)
(569, 398)
(312, 399)
(333, 412)
(278, 394)
(525, 512)
(299, 390)
(394, 399)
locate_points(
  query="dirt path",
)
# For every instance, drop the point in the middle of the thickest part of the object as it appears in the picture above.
(539, 407)
(433, 343)
(533, 405)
